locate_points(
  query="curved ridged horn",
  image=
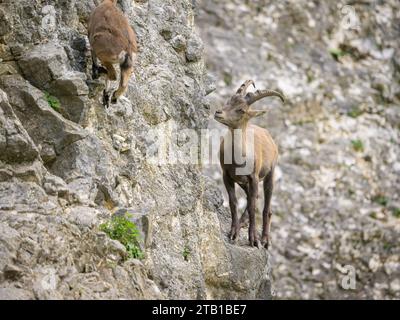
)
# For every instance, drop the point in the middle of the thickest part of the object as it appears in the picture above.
(259, 94)
(243, 88)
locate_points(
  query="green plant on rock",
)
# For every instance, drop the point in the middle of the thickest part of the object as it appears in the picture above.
(396, 212)
(354, 113)
(373, 215)
(336, 53)
(387, 245)
(53, 102)
(228, 79)
(380, 199)
(120, 228)
(186, 253)
(357, 145)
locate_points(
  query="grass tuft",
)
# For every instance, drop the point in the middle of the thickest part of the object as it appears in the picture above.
(358, 146)
(380, 199)
(186, 253)
(53, 102)
(396, 212)
(355, 112)
(336, 53)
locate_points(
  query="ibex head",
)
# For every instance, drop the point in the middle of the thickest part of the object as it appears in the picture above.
(237, 110)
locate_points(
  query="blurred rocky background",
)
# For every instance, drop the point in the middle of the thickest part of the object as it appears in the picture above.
(336, 203)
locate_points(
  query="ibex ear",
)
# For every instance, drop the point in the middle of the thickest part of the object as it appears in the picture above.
(256, 113)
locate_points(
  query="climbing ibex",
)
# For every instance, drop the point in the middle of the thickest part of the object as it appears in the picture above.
(112, 41)
(261, 157)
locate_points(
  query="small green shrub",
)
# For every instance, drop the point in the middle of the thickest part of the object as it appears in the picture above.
(357, 145)
(228, 79)
(336, 53)
(396, 212)
(380, 199)
(373, 215)
(388, 246)
(52, 101)
(125, 231)
(310, 76)
(354, 113)
(186, 253)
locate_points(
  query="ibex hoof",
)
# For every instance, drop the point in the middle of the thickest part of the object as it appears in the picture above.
(114, 99)
(234, 234)
(234, 241)
(265, 242)
(254, 242)
(106, 99)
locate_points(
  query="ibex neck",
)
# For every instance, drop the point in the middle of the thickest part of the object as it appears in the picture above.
(241, 133)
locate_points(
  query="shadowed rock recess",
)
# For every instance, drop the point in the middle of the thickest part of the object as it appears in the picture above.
(67, 164)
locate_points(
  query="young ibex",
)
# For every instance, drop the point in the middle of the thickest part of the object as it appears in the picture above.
(262, 160)
(112, 41)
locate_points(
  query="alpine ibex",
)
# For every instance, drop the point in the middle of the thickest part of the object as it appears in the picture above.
(112, 41)
(261, 155)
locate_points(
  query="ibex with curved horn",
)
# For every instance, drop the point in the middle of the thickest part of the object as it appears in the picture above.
(112, 41)
(261, 156)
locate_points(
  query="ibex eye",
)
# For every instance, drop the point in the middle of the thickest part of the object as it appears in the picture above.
(241, 111)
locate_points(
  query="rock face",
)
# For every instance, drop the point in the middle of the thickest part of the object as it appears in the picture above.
(65, 167)
(336, 202)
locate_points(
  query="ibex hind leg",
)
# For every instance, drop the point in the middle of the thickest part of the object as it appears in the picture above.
(253, 194)
(267, 214)
(126, 72)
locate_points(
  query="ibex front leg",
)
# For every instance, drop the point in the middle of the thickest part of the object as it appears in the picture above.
(97, 70)
(230, 188)
(244, 219)
(111, 76)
